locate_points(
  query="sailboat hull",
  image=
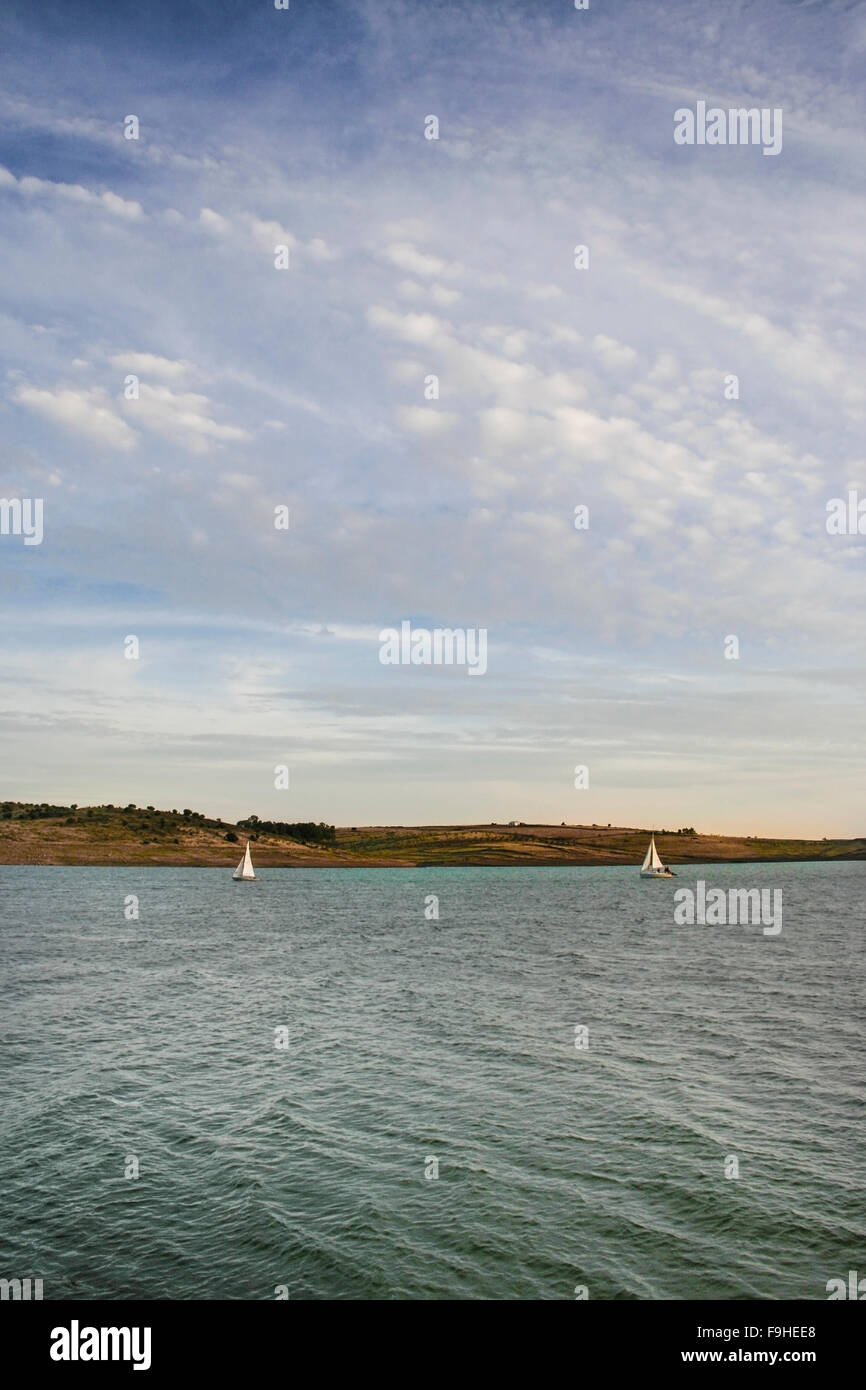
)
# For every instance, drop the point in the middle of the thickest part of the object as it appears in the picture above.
(657, 873)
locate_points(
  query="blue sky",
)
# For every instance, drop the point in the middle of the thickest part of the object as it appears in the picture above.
(558, 387)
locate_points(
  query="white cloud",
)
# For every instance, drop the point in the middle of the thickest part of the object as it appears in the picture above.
(214, 222)
(318, 250)
(267, 235)
(414, 328)
(148, 364)
(612, 353)
(90, 413)
(544, 292)
(242, 482)
(443, 296)
(30, 186)
(805, 354)
(409, 258)
(185, 418)
(426, 420)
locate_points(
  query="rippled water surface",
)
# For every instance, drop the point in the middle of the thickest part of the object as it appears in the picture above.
(413, 1039)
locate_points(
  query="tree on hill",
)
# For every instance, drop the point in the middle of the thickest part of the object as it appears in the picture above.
(307, 831)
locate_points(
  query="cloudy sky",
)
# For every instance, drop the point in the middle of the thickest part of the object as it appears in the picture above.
(558, 387)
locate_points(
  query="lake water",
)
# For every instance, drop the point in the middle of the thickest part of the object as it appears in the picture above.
(411, 1040)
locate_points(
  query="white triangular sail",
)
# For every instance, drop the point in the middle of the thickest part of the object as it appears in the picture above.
(652, 863)
(245, 868)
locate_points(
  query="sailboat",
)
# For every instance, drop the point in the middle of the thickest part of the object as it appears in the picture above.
(652, 866)
(245, 870)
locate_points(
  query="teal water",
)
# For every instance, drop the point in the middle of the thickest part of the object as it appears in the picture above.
(412, 1039)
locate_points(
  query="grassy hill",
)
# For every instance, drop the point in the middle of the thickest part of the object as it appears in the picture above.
(43, 834)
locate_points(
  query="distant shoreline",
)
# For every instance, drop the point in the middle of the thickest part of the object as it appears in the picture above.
(127, 837)
(680, 870)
